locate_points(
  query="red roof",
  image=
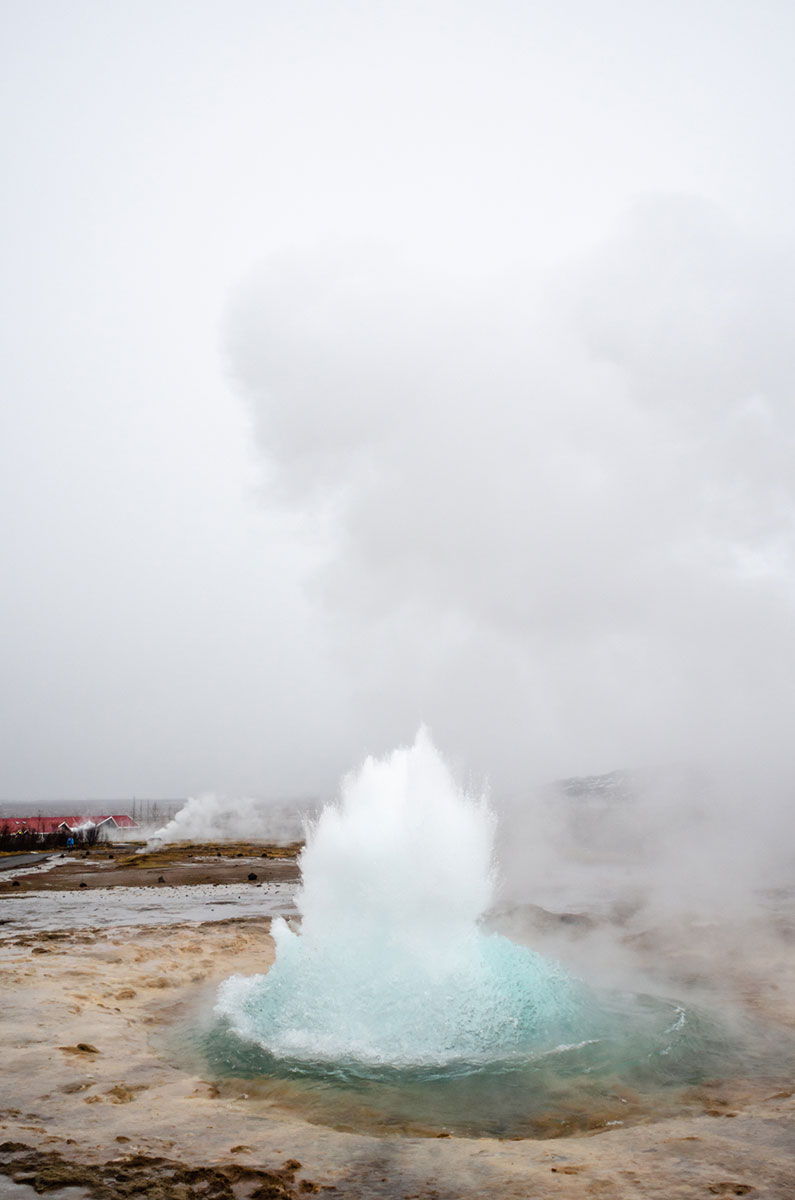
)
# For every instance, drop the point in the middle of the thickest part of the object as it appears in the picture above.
(67, 824)
(15, 825)
(37, 824)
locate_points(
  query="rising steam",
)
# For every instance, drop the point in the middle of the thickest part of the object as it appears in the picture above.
(211, 818)
(558, 507)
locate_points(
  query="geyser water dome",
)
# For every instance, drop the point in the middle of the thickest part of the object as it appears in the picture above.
(391, 968)
(394, 1010)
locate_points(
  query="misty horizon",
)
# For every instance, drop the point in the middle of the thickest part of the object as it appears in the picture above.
(371, 369)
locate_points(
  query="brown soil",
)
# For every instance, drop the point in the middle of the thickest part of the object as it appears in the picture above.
(169, 866)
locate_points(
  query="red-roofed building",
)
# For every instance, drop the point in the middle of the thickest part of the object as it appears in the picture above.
(39, 824)
(117, 821)
(45, 825)
(15, 825)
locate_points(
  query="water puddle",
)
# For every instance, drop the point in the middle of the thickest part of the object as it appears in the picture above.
(100, 908)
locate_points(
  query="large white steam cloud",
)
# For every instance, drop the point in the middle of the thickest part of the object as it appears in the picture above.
(558, 506)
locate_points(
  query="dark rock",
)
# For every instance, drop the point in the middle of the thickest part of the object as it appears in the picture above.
(83, 883)
(252, 875)
(155, 1178)
(160, 879)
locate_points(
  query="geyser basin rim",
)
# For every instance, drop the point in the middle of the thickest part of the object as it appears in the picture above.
(645, 1066)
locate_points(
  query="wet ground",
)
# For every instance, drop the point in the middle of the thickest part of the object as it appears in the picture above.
(13, 862)
(104, 867)
(131, 906)
(99, 984)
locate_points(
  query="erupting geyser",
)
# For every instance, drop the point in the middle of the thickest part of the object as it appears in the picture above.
(393, 1010)
(391, 967)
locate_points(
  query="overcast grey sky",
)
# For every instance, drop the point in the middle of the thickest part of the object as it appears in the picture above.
(370, 364)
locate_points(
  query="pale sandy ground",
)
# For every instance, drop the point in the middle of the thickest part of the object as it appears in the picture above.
(123, 1097)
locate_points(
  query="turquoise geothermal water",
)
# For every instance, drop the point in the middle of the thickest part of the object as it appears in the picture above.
(392, 1008)
(643, 1062)
(488, 998)
(390, 966)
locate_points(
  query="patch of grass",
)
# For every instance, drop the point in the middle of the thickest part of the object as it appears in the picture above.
(184, 852)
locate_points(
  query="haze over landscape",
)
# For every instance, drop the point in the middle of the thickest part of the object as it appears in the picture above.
(367, 366)
(397, 583)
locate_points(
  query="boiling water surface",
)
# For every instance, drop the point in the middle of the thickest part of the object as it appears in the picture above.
(645, 1062)
(394, 1009)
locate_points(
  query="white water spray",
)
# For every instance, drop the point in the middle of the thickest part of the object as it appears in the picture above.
(391, 966)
